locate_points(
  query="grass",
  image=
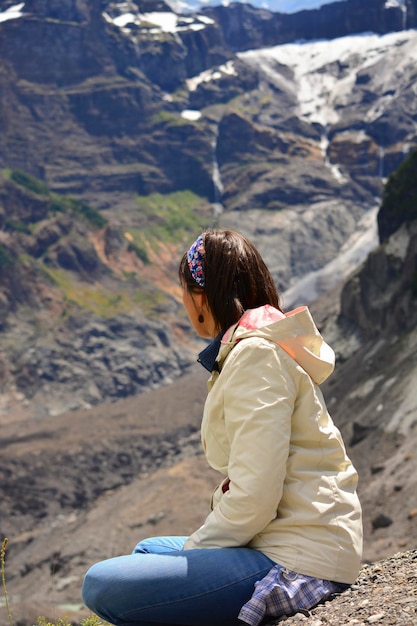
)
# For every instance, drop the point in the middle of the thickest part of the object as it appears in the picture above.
(138, 248)
(3, 578)
(105, 304)
(28, 182)
(58, 203)
(66, 204)
(169, 119)
(6, 259)
(16, 226)
(92, 620)
(161, 224)
(170, 218)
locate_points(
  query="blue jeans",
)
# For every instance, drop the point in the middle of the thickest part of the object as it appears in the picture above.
(159, 583)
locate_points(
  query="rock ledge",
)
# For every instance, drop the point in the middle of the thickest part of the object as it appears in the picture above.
(384, 594)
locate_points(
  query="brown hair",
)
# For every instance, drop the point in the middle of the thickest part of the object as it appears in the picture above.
(235, 277)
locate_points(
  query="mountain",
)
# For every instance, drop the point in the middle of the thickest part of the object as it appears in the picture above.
(247, 27)
(374, 327)
(90, 484)
(280, 6)
(125, 129)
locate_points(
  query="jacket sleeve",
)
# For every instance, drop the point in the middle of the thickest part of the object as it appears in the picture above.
(259, 396)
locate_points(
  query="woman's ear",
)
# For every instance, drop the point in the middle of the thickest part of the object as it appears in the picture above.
(200, 299)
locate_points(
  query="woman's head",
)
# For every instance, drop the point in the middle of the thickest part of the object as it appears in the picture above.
(226, 270)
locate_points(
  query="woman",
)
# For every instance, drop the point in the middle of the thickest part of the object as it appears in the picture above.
(284, 531)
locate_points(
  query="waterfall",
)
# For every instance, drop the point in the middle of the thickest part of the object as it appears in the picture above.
(404, 10)
(381, 166)
(217, 181)
(324, 145)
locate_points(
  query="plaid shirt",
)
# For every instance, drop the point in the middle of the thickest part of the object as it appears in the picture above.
(282, 592)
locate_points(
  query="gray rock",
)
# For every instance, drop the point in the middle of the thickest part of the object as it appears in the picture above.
(381, 521)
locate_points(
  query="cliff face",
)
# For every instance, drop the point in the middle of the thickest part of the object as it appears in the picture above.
(93, 101)
(86, 116)
(85, 313)
(381, 299)
(152, 121)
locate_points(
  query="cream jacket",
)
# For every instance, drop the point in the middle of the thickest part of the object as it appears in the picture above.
(292, 491)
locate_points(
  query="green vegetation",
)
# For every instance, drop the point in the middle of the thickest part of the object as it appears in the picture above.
(93, 620)
(58, 203)
(171, 217)
(265, 100)
(400, 193)
(158, 227)
(3, 577)
(17, 226)
(92, 215)
(168, 220)
(169, 119)
(140, 252)
(29, 182)
(6, 259)
(98, 300)
(66, 204)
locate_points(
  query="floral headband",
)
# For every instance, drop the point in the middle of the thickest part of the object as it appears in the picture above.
(195, 259)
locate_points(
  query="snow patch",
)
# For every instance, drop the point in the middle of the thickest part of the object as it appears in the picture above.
(122, 20)
(210, 75)
(355, 136)
(167, 22)
(320, 85)
(195, 27)
(206, 20)
(190, 114)
(12, 13)
(163, 21)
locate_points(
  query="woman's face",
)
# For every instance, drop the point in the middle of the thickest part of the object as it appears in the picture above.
(195, 305)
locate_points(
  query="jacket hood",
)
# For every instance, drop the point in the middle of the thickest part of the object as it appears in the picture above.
(295, 332)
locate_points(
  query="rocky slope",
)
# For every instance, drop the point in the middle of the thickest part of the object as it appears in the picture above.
(124, 130)
(163, 125)
(74, 498)
(374, 328)
(384, 594)
(89, 484)
(86, 314)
